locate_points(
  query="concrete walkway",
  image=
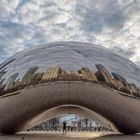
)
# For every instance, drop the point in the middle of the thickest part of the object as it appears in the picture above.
(69, 136)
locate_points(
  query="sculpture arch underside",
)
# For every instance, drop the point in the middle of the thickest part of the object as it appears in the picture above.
(38, 103)
(68, 109)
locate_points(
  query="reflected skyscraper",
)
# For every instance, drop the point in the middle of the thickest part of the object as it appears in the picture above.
(10, 82)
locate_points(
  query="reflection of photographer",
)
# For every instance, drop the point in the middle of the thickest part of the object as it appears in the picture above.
(64, 126)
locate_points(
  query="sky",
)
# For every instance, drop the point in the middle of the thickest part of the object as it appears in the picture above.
(114, 24)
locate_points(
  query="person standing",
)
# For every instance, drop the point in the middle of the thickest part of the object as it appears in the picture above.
(64, 126)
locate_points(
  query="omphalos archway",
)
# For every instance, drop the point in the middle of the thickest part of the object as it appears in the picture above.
(68, 109)
(18, 110)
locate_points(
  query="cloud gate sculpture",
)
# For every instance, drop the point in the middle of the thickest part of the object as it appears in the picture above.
(69, 77)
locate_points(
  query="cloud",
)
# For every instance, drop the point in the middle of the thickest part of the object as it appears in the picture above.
(7, 8)
(99, 16)
(3, 54)
(130, 52)
(12, 36)
(114, 24)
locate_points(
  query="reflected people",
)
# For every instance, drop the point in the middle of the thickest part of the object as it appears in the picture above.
(64, 126)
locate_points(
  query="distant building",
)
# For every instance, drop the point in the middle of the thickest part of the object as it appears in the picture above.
(134, 89)
(118, 77)
(11, 81)
(34, 78)
(1, 86)
(2, 74)
(122, 83)
(38, 77)
(51, 73)
(87, 74)
(103, 74)
(30, 72)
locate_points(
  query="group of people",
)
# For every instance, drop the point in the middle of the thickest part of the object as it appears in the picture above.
(67, 128)
(70, 128)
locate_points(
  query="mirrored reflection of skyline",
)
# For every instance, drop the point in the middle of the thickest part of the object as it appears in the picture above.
(52, 74)
(69, 61)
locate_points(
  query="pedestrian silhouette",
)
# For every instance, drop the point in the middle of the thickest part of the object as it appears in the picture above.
(64, 126)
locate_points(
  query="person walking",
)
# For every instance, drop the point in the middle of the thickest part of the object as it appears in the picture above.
(64, 126)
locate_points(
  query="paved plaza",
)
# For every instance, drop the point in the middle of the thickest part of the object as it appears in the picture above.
(70, 136)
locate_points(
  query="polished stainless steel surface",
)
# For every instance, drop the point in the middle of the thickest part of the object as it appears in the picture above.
(36, 81)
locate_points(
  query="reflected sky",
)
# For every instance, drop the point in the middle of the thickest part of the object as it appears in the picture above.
(71, 56)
